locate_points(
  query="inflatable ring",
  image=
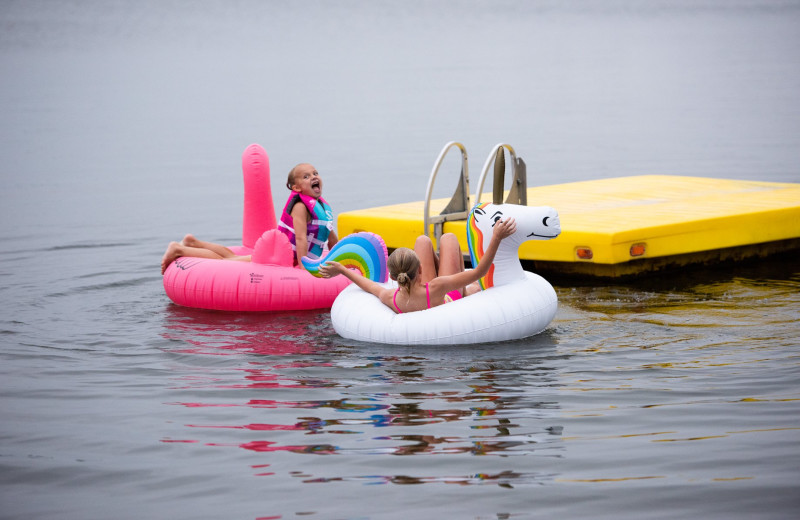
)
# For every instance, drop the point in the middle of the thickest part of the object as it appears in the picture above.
(513, 304)
(268, 282)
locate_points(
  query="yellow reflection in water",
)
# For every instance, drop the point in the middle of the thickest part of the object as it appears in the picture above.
(692, 438)
(623, 479)
(621, 436)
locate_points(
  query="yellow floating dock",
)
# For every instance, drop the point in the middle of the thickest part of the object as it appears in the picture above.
(629, 225)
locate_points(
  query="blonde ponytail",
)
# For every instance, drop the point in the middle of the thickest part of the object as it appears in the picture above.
(403, 267)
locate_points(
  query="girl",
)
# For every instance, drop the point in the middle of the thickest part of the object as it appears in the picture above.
(308, 225)
(424, 280)
(307, 218)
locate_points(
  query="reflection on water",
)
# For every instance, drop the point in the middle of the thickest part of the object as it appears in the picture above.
(222, 333)
(396, 402)
(506, 479)
(638, 371)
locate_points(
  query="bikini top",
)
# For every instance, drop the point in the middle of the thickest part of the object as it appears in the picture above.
(427, 297)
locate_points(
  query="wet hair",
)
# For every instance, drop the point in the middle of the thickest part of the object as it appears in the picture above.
(403, 266)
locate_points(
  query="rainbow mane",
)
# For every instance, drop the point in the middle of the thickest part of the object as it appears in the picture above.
(475, 240)
(365, 252)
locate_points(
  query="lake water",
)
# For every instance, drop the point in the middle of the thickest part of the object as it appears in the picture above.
(123, 125)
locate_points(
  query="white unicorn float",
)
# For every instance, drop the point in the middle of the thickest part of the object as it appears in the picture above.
(513, 303)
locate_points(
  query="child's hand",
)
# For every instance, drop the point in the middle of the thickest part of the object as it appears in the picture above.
(504, 228)
(330, 269)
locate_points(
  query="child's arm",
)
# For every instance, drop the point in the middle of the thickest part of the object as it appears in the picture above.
(300, 224)
(502, 229)
(330, 269)
(332, 239)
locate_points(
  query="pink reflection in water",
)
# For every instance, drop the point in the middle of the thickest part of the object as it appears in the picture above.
(266, 446)
(256, 427)
(225, 333)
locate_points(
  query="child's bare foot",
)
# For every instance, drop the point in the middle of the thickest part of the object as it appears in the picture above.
(190, 241)
(173, 252)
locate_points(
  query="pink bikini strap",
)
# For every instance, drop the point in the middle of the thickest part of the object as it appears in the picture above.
(394, 301)
(428, 295)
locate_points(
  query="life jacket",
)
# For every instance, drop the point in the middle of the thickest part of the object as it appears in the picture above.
(318, 228)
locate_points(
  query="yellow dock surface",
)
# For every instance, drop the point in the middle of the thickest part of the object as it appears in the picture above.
(663, 220)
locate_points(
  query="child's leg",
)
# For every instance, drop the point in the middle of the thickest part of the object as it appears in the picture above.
(451, 261)
(423, 247)
(222, 251)
(176, 250)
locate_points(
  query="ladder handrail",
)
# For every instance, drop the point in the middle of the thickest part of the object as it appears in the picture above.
(437, 220)
(488, 163)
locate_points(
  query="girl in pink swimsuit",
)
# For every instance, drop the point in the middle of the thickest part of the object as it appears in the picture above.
(426, 280)
(449, 297)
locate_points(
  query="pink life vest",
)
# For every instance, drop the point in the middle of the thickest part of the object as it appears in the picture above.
(318, 228)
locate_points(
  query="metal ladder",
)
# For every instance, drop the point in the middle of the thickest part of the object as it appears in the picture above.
(459, 206)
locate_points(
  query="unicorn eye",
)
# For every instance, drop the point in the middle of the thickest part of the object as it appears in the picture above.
(496, 217)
